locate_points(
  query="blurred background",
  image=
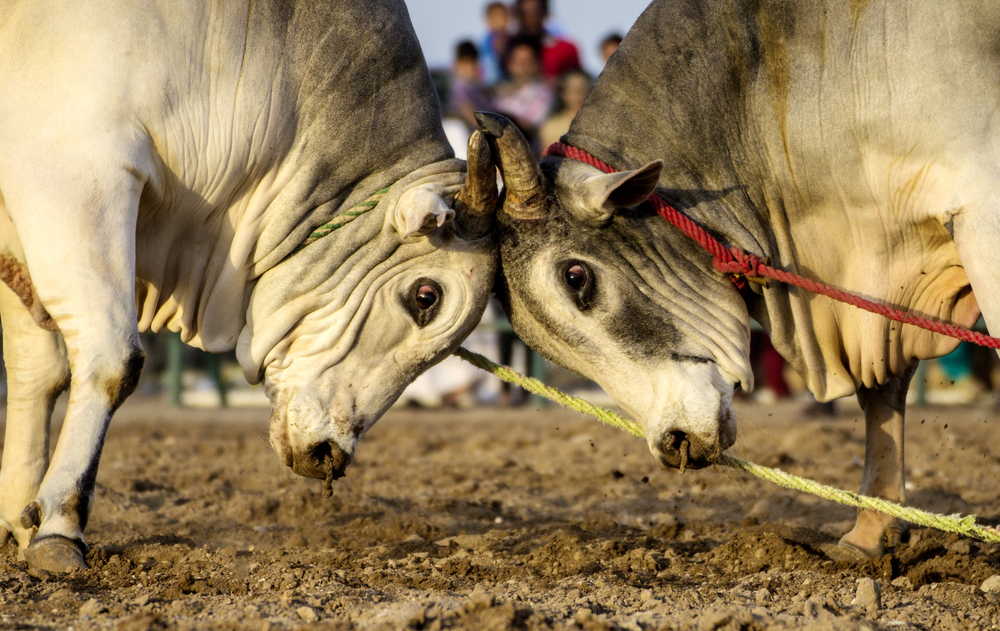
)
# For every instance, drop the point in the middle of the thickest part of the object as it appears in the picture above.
(441, 24)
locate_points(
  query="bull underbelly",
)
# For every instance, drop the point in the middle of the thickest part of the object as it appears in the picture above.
(911, 266)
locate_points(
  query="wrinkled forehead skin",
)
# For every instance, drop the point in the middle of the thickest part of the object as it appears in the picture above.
(367, 344)
(339, 336)
(650, 300)
(660, 331)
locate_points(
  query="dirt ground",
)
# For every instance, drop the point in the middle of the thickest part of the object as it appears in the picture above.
(511, 519)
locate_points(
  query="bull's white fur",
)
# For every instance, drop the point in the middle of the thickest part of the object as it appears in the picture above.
(159, 164)
(667, 401)
(333, 364)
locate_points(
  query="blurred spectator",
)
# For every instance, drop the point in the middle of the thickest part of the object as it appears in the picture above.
(494, 45)
(768, 369)
(609, 45)
(572, 89)
(957, 365)
(557, 54)
(524, 98)
(957, 378)
(818, 409)
(467, 94)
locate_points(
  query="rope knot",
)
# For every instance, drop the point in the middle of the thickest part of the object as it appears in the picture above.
(741, 267)
(750, 262)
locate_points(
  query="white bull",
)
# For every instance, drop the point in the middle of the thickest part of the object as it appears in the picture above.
(182, 165)
(853, 143)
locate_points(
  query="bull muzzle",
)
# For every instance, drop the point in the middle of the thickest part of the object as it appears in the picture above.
(325, 461)
(682, 450)
(312, 450)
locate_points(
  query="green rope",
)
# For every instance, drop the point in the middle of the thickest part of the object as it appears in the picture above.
(344, 218)
(949, 523)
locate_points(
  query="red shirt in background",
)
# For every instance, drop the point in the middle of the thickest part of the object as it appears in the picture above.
(558, 56)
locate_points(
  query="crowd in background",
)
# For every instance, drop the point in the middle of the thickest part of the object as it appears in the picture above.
(524, 67)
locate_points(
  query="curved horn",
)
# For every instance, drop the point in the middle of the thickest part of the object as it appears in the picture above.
(476, 202)
(522, 176)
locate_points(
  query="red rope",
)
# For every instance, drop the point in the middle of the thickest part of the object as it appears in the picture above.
(739, 264)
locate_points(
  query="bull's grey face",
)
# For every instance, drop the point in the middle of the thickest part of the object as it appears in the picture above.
(590, 281)
(339, 330)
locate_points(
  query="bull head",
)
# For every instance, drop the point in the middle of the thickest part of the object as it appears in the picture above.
(342, 327)
(599, 284)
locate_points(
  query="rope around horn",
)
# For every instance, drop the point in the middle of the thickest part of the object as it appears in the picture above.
(948, 523)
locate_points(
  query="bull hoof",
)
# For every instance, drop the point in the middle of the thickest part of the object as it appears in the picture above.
(55, 554)
(896, 534)
(850, 553)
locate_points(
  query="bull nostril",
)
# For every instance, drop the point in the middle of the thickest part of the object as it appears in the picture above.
(321, 454)
(675, 439)
(675, 450)
(332, 460)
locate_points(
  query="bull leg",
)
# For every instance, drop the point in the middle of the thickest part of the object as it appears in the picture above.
(37, 372)
(884, 407)
(78, 240)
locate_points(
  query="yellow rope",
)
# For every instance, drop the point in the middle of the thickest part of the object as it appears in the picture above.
(949, 523)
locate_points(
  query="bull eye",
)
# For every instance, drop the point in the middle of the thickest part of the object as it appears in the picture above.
(422, 300)
(576, 276)
(579, 278)
(426, 297)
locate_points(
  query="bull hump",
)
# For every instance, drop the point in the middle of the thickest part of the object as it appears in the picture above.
(15, 275)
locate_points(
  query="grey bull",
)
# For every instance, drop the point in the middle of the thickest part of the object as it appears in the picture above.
(176, 165)
(850, 142)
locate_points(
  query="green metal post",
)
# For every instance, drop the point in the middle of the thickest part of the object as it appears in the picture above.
(175, 365)
(212, 362)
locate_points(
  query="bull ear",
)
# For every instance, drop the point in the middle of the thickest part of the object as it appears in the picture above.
(636, 186)
(420, 210)
(604, 194)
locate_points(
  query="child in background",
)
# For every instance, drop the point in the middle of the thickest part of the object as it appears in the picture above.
(572, 89)
(467, 94)
(609, 45)
(557, 55)
(494, 45)
(524, 98)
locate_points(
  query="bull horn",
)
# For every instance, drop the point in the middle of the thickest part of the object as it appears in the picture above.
(522, 176)
(476, 202)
